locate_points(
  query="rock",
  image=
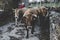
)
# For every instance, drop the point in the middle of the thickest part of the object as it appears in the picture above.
(0, 31)
(13, 38)
(10, 29)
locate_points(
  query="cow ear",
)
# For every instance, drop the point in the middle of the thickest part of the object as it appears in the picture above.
(34, 15)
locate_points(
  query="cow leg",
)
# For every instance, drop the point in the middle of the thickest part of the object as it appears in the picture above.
(16, 21)
(27, 36)
(33, 24)
(32, 30)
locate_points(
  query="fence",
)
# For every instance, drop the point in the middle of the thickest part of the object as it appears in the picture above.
(52, 4)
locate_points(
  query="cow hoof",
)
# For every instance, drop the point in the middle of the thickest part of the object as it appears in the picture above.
(16, 25)
(32, 33)
(27, 37)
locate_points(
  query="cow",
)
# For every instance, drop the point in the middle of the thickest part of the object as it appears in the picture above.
(30, 17)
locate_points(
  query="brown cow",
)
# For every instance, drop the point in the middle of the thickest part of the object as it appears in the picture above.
(30, 15)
